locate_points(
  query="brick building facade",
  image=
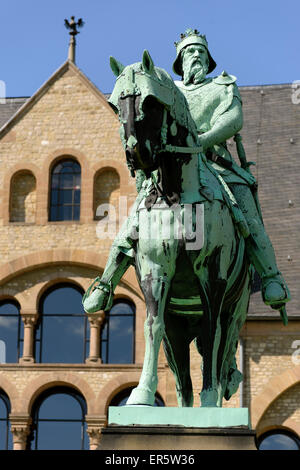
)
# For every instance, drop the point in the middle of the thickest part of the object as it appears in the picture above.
(69, 118)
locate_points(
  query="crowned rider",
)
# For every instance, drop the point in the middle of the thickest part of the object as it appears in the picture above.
(216, 107)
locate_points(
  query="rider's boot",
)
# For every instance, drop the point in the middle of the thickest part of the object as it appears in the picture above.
(260, 251)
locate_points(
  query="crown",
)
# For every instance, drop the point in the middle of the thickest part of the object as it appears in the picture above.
(190, 32)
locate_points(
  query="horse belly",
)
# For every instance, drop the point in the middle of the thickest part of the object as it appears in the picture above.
(184, 296)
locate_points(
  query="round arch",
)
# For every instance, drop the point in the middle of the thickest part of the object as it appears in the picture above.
(275, 387)
(78, 257)
(57, 379)
(116, 165)
(26, 167)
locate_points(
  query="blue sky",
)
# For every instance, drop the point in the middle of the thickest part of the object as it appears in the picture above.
(257, 40)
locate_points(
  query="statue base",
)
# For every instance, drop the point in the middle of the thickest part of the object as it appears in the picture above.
(170, 428)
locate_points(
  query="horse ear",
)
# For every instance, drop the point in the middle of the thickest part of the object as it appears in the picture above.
(116, 66)
(147, 62)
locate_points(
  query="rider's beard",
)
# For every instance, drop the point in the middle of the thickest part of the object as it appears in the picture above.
(195, 73)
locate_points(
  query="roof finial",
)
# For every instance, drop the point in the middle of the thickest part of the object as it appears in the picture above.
(72, 25)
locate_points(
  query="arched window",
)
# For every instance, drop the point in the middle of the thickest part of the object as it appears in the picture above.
(62, 331)
(58, 421)
(278, 439)
(106, 190)
(121, 398)
(65, 191)
(11, 331)
(118, 334)
(5, 435)
(23, 198)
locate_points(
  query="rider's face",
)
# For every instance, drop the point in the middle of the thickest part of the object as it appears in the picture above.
(194, 63)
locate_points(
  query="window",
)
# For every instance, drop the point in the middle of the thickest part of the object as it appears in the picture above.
(121, 398)
(5, 435)
(11, 331)
(23, 198)
(62, 334)
(65, 191)
(58, 421)
(278, 439)
(118, 334)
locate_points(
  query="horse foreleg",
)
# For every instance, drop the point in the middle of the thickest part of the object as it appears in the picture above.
(156, 293)
(116, 266)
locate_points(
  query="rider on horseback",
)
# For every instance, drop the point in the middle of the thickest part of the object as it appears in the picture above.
(216, 107)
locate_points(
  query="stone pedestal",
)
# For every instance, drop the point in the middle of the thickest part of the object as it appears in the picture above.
(176, 438)
(170, 428)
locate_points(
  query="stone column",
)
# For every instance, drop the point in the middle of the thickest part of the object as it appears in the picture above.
(20, 429)
(94, 427)
(96, 320)
(29, 320)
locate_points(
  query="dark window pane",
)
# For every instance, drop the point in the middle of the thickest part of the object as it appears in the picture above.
(55, 181)
(8, 308)
(121, 308)
(9, 332)
(54, 197)
(67, 213)
(66, 300)
(59, 436)
(5, 434)
(120, 340)
(76, 213)
(65, 180)
(63, 326)
(57, 169)
(63, 339)
(77, 196)
(60, 406)
(3, 409)
(279, 441)
(66, 196)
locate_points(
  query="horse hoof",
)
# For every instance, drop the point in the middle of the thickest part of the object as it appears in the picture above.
(141, 396)
(96, 301)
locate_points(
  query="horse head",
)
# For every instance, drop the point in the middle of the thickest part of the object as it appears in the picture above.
(150, 106)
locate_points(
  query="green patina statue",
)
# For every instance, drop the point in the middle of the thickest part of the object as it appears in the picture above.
(195, 233)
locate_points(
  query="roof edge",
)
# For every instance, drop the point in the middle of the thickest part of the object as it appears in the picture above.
(43, 89)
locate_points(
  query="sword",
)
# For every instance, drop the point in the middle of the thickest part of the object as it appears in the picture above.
(245, 165)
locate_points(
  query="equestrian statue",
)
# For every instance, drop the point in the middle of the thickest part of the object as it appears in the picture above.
(195, 233)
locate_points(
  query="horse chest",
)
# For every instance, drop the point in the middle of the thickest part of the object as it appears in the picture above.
(190, 182)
